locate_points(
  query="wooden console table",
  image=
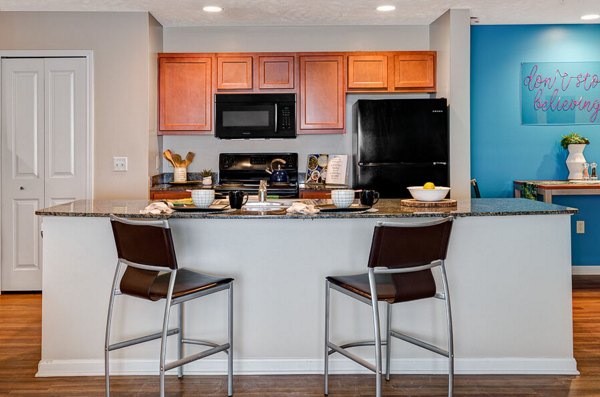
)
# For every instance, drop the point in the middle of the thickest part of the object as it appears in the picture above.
(547, 189)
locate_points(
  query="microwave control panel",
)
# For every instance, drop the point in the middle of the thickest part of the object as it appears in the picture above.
(286, 117)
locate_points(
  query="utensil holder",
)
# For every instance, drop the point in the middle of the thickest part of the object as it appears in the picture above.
(179, 174)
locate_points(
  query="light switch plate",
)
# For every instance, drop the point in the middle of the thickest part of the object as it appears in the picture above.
(120, 164)
(580, 227)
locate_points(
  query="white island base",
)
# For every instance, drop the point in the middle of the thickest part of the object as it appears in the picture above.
(509, 278)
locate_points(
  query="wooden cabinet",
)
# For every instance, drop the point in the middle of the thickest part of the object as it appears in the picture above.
(276, 72)
(234, 73)
(368, 71)
(322, 94)
(185, 94)
(415, 71)
(401, 71)
(173, 195)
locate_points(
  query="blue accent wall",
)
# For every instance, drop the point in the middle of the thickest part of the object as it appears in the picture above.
(502, 149)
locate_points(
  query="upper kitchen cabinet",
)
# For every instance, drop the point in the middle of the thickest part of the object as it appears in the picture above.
(400, 71)
(322, 94)
(234, 72)
(368, 72)
(414, 71)
(276, 72)
(185, 94)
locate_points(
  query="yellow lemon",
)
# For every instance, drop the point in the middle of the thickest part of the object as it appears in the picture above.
(429, 185)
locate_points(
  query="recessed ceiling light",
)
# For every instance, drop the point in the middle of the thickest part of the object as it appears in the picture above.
(589, 17)
(212, 9)
(386, 8)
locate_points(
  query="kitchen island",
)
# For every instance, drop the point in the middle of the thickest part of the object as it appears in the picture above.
(509, 270)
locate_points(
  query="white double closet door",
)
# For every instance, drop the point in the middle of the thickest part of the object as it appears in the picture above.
(44, 124)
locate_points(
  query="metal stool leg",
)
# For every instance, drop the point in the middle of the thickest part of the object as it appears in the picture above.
(376, 330)
(230, 336)
(180, 340)
(326, 372)
(450, 333)
(163, 340)
(111, 303)
(388, 345)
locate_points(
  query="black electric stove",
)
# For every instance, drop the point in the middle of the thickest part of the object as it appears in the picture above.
(244, 171)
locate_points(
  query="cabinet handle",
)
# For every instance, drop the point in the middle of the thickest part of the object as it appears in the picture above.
(21, 188)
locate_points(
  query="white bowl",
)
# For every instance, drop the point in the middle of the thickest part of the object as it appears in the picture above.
(203, 198)
(342, 198)
(421, 194)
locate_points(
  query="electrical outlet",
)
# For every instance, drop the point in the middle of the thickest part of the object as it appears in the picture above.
(120, 164)
(580, 227)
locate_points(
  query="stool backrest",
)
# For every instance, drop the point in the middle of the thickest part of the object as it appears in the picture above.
(410, 244)
(144, 242)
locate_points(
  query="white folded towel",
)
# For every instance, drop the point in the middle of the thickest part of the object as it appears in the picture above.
(157, 208)
(301, 208)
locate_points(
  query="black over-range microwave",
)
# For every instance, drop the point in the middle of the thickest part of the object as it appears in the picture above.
(247, 116)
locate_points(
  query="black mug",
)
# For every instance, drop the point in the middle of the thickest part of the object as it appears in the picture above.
(237, 198)
(369, 197)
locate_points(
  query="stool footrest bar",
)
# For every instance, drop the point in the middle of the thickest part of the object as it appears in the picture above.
(141, 339)
(352, 356)
(362, 343)
(419, 343)
(196, 356)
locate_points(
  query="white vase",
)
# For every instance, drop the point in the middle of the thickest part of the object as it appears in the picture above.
(575, 160)
(207, 180)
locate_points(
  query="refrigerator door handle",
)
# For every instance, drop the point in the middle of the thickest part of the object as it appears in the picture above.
(363, 164)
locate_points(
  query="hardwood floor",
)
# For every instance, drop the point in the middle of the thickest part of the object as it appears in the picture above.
(20, 333)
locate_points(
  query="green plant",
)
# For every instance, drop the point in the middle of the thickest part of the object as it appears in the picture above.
(573, 138)
(529, 191)
(206, 173)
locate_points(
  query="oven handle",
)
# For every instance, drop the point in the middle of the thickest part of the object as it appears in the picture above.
(275, 116)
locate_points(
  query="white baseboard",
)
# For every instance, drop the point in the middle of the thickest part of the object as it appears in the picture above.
(496, 366)
(586, 270)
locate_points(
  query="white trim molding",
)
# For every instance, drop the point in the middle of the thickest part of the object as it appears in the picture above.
(586, 270)
(463, 366)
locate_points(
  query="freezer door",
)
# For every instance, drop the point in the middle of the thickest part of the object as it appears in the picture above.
(401, 131)
(391, 180)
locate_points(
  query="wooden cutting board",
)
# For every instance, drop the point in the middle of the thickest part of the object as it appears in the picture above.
(445, 203)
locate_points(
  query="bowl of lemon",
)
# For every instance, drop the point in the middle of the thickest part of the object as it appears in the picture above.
(428, 192)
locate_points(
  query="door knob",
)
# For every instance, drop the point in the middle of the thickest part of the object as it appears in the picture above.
(21, 188)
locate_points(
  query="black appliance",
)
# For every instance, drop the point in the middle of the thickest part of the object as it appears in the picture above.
(244, 171)
(247, 116)
(399, 143)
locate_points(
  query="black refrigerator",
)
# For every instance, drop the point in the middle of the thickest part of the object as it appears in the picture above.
(399, 143)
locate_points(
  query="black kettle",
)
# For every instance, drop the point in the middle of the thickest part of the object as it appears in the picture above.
(278, 176)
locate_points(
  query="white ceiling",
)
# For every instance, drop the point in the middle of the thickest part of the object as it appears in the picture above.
(172, 13)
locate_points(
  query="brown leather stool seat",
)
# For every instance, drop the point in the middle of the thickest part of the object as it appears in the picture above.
(145, 249)
(399, 270)
(151, 285)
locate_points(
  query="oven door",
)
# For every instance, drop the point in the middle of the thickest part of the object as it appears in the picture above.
(244, 120)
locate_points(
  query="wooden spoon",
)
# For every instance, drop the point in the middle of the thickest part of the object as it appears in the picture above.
(169, 156)
(189, 157)
(177, 159)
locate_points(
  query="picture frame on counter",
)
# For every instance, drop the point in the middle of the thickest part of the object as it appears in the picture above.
(327, 169)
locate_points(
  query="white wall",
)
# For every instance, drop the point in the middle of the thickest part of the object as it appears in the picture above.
(450, 36)
(256, 39)
(155, 45)
(121, 84)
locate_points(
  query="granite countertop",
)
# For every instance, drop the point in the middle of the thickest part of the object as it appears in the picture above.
(386, 208)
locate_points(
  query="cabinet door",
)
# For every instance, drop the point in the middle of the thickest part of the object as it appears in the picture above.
(234, 73)
(322, 94)
(368, 71)
(185, 92)
(275, 72)
(415, 71)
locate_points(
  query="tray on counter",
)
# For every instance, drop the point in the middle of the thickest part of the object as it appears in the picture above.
(193, 208)
(333, 208)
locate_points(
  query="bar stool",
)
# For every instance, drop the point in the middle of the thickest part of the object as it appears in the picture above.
(145, 250)
(399, 270)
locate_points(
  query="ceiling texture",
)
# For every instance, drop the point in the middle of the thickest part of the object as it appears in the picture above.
(177, 13)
